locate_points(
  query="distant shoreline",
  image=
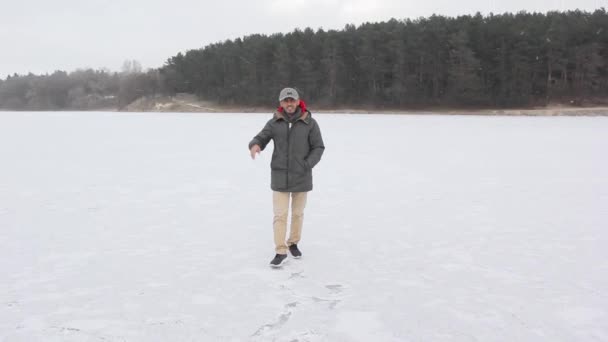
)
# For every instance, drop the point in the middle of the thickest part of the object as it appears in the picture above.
(190, 103)
(187, 103)
(548, 111)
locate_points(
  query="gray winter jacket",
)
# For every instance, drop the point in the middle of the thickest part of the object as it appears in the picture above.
(297, 149)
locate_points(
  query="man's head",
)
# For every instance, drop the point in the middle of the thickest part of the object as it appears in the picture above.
(289, 100)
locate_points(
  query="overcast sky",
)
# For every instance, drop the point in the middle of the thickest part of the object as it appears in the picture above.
(42, 36)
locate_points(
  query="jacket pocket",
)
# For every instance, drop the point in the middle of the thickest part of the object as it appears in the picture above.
(303, 167)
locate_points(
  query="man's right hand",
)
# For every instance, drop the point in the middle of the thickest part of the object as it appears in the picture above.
(255, 149)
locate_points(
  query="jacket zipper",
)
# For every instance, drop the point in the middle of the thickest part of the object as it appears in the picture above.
(288, 152)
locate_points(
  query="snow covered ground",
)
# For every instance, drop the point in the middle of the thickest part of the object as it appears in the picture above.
(157, 227)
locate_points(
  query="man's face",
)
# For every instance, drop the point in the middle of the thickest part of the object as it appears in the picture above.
(289, 105)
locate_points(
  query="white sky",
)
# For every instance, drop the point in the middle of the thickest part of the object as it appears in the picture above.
(42, 36)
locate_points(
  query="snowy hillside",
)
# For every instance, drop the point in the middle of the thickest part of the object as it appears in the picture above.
(158, 227)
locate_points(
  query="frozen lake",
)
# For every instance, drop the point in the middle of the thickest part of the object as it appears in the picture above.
(158, 227)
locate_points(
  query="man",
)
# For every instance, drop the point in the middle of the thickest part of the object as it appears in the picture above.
(298, 147)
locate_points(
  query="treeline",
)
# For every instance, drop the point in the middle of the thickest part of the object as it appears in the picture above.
(497, 60)
(505, 60)
(79, 90)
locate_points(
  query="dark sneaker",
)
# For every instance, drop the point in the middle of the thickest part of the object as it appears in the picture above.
(293, 249)
(278, 260)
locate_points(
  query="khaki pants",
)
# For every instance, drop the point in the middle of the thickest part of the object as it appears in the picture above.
(280, 205)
